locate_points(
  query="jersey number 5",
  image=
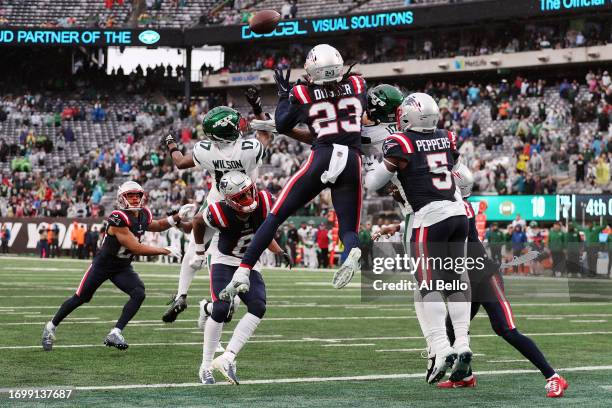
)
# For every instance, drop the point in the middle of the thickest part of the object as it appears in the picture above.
(438, 164)
(326, 120)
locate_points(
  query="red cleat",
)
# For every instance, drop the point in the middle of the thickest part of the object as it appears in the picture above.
(556, 385)
(471, 383)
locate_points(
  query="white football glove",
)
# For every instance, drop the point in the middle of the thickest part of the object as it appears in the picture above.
(187, 212)
(263, 125)
(198, 261)
(240, 283)
(174, 252)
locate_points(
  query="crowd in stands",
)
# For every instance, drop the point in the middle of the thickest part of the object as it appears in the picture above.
(368, 48)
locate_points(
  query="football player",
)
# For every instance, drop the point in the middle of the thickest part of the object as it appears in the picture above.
(487, 288)
(226, 150)
(331, 104)
(422, 157)
(124, 229)
(233, 221)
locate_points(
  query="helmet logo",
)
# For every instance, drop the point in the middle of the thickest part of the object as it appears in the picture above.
(413, 102)
(223, 122)
(377, 101)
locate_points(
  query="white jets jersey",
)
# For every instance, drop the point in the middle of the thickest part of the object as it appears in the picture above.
(372, 138)
(243, 155)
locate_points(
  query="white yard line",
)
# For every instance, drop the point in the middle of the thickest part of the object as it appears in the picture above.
(349, 345)
(508, 361)
(588, 321)
(400, 350)
(371, 377)
(302, 340)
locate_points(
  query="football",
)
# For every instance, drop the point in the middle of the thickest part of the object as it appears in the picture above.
(264, 21)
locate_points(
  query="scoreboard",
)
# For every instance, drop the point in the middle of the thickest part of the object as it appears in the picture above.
(558, 207)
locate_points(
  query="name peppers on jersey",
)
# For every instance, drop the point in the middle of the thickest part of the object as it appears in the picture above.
(234, 230)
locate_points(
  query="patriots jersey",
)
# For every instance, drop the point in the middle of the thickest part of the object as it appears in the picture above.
(234, 231)
(333, 114)
(110, 248)
(244, 155)
(427, 177)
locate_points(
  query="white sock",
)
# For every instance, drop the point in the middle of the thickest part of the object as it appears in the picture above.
(212, 335)
(420, 312)
(209, 308)
(434, 315)
(50, 325)
(116, 331)
(243, 331)
(459, 312)
(186, 277)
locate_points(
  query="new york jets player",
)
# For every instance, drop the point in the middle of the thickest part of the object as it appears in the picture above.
(224, 151)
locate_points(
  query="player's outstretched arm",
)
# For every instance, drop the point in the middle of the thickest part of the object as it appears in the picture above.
(379, 174)
(301, 135)
(129, 241)
(180, 160)
(179, 219)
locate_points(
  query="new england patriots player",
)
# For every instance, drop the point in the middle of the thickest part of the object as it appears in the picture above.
(331, 104)
(233, 221)
(124, 229)
(487, 288)
(422, 157)
(224, 151)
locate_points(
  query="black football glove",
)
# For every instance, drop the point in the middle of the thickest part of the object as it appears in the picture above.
(287, 259)
(254, 99)
(282, 82)
(168, 140)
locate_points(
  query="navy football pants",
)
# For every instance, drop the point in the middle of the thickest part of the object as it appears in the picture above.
(255, 298)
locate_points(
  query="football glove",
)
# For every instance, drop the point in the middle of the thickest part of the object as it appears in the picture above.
(168, 140)
(287, 259)
(198, 261)
(187, 212)
(263, 125)
(282, 82)
(174, 252)
(254, 99)
(240, 283)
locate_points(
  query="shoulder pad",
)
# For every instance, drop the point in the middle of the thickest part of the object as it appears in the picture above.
(266, 201)
(149, 215)
(118, 219)
(300, 95)
(215, 216)
(200, 150)
(357, 83)
(397, 142)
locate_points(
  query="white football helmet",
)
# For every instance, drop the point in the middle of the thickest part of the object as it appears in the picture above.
(239, 191)
(126, 188)
(418, 112)
(324, 64)
(464, 179)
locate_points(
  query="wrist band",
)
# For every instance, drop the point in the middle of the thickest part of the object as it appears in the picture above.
(200, 247)
(171, 221)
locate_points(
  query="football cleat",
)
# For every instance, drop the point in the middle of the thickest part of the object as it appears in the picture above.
(204, 315)
(227, 368)
(48, 338)
(115, 340)
(177, 305)
(463, 367)
(206, 376)
(431, 360)
(469, 383)
(443, 362)
(556, 386)
(347, 270)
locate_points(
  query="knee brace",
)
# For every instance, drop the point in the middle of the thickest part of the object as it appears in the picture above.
(257, 308)
(220, 311)
(138, 294)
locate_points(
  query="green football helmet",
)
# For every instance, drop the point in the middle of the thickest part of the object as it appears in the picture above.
(383, 101)
(222, 124)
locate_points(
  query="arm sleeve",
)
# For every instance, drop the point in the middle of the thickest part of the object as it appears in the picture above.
(288, 115)
(378, 177)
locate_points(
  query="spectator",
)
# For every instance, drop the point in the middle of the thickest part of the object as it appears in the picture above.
(5, 238)
(518, 240)
(286, 10)
(323, 245)
(366, 243)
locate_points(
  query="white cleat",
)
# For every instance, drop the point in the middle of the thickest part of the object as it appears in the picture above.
(463, 366)
(206, 376)
(227, 368)
(444, 361)
(48, 337)
(347, 270)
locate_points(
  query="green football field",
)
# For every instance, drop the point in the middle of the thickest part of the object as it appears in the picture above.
(317, 346)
